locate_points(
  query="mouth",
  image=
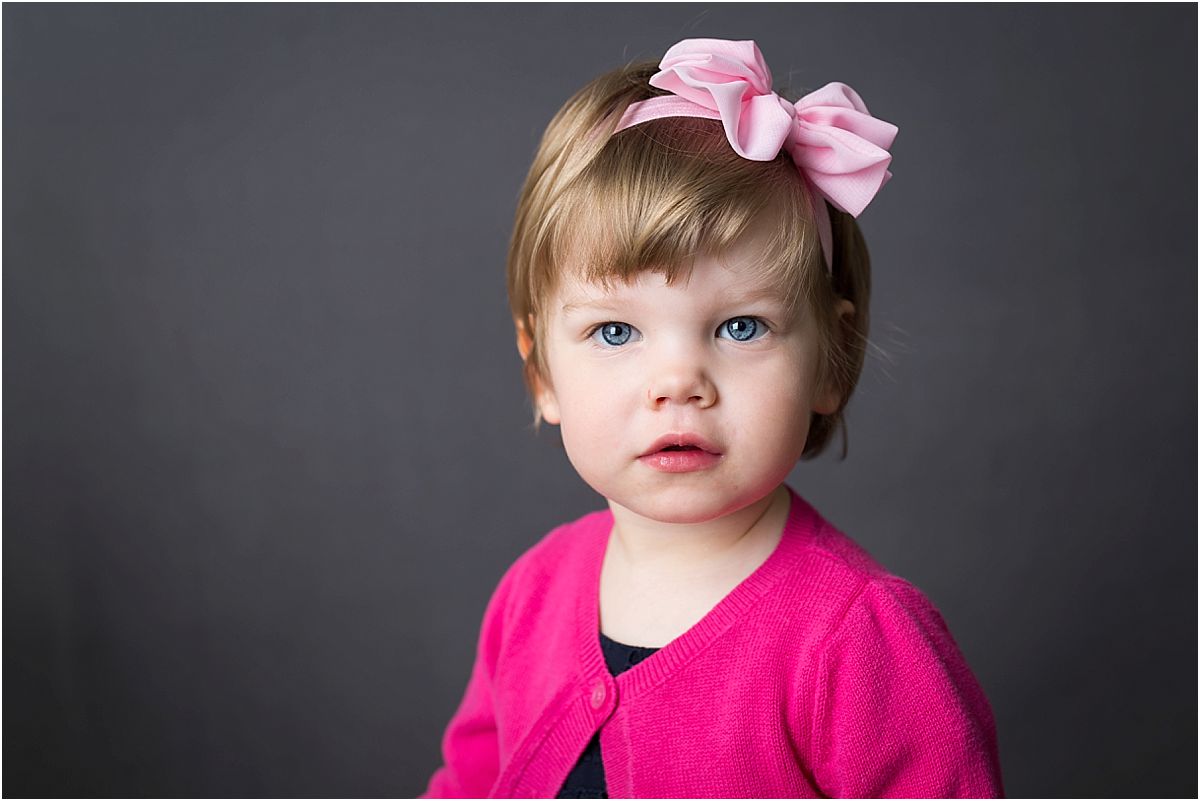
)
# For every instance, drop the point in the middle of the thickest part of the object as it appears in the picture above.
(681, 453)
(682, 442)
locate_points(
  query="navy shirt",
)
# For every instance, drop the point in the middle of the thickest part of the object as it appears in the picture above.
(586, 779)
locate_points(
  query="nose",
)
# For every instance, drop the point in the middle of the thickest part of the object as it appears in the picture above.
(680, 380)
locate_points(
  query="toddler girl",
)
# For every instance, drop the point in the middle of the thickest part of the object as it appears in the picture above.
(690, 291)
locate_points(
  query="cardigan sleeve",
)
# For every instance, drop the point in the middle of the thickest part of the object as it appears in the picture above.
(470, 747)
(897, 711)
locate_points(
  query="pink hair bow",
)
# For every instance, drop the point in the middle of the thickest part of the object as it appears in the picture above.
(839, 148)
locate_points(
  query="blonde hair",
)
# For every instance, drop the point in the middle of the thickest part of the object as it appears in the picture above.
(656, 196)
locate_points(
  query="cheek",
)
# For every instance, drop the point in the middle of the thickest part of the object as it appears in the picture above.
(778, 411)
(592, 437)
(590, 411)
(776, 408)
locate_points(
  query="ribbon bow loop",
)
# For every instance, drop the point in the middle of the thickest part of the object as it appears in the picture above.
(841, 147)
(732, 79)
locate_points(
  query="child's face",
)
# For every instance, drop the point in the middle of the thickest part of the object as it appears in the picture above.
(703, 357)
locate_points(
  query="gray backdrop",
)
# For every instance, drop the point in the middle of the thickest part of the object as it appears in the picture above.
(266, 446)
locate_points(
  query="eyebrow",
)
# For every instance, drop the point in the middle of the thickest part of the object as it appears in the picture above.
(750, 296)
(589, 304)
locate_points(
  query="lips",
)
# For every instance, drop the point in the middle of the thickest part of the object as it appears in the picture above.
(681, 441)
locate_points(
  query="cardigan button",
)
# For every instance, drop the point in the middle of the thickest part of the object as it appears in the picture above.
(598, 695)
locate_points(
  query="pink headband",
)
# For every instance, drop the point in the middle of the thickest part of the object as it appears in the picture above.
(839, 148)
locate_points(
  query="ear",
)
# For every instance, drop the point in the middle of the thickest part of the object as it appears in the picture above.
(829, 397)
(524, 337)
(546, 401)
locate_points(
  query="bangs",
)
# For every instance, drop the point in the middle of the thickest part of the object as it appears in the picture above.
(658, 195)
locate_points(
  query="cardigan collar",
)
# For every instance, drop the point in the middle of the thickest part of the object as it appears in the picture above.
(802, 524)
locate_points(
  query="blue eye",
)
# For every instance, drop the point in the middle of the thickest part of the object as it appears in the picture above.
(743, 329)
(614, 334)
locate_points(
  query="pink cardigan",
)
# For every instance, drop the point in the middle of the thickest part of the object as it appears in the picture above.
(820, 674)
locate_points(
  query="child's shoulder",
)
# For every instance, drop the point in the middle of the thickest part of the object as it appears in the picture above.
(564, 549)
(853, 579)
(547, 572)
(840, 555)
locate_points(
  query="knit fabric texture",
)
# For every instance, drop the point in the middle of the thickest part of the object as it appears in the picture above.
(586, 779)
(821, 674)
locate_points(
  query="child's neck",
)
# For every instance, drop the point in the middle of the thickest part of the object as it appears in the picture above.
(689, 551)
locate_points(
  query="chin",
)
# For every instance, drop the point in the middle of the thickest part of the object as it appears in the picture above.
(686, 504)
(674, 514)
